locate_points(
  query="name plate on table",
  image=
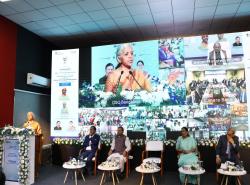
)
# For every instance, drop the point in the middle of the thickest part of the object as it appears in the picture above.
(11, 159)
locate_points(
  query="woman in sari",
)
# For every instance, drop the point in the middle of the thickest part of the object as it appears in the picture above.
(31, 123)
(186, 146)
(124, 75)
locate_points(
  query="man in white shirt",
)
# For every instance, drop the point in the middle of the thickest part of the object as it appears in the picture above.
(120, 147)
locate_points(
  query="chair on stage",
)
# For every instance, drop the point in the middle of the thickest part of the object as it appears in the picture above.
(128, 158)
(154, 146)
(95, 158)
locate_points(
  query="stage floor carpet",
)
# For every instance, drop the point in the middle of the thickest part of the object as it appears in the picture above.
(54, 175)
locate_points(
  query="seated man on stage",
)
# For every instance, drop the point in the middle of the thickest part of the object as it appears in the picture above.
(227, 148)
(120, 147)
(90, 146)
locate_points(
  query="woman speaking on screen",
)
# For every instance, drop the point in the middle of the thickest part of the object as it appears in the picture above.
(124, 75)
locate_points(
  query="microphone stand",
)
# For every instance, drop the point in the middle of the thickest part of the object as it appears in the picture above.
(131, 73)
(118, 82)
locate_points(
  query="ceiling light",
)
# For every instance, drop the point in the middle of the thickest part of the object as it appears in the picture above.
(4, 0)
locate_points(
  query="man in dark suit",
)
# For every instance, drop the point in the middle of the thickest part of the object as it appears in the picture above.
(90, 145)
(193, 98)
(108, 69)
(227, 148)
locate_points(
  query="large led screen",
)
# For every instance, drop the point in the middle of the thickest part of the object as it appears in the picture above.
(159, 86)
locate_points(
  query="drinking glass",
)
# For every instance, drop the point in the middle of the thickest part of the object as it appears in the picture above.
(70, 158)
(241, 165)
(200, 164)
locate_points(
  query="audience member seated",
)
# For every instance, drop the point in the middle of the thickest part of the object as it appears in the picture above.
(186, 147)
(90, 147)
(119, 148)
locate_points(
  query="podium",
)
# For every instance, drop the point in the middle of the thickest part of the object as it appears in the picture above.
(17, 150)
(38, 153)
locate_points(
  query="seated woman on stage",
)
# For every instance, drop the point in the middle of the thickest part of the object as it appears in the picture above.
(186, 146)
(31, 123)
(124, 75)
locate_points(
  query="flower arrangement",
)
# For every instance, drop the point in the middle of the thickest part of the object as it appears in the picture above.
(119, 99)
(137, 142)
(163, 94)
(12, 131)
(207, 142)
(87, 96)
(245, 143)
(68, 141)
(23, 135)
(149, 166)
(106, 142)
(106, 139)
(170, 142)
(114, 162)
(24, 159)
(75, 162)
(106, 136)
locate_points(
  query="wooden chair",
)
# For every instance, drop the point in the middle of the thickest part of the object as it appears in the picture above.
(95, 158)
(127, 164)
(154, 146)
(129, 157)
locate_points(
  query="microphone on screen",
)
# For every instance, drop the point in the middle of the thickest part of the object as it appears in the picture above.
(118, 82)
(131, 73)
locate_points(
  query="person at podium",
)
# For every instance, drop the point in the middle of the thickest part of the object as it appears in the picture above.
(31, 123)
(124, 75)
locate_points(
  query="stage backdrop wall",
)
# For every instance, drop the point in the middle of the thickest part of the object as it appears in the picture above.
(33, 56)
(39, 104)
